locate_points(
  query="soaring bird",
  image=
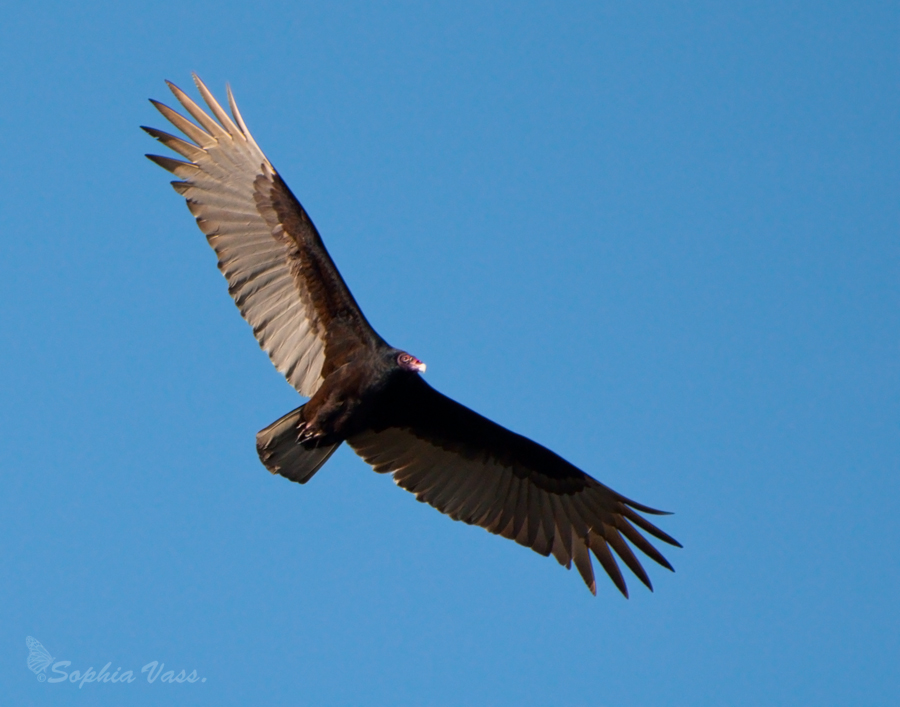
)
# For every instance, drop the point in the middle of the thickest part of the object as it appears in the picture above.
(363, 391)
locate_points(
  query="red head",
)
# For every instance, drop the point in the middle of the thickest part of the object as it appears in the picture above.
(410, 363)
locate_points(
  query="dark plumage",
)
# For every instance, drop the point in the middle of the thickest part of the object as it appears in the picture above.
(363, 391)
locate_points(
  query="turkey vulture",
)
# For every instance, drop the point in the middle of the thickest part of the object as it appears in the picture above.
(365, 392)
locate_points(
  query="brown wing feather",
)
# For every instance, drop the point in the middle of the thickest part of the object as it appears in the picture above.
(278, 270)
(482, 474)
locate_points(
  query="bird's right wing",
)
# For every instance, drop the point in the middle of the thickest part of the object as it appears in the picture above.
(279, 273)
(478, 472)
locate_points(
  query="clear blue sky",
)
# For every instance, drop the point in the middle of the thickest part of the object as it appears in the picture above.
(661, 239)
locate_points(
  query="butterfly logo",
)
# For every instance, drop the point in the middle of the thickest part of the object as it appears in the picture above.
(38, 658)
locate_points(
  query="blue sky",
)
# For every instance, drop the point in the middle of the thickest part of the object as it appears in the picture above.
(661, 239)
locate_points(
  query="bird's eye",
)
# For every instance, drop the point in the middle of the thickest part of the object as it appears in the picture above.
(405, 358)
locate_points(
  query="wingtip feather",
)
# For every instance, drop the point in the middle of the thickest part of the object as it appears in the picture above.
(216, 108)
(167, 163)
(206, 122)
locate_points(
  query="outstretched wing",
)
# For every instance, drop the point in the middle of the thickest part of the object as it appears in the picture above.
(478, 472)
(279, 273)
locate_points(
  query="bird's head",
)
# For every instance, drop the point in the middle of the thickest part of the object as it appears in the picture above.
(409, 363)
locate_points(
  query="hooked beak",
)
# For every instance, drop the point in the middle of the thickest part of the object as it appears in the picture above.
(420, 366)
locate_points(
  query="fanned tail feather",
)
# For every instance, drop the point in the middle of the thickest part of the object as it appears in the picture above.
(282, 454)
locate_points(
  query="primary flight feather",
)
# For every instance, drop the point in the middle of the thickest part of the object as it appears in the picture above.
(365, 392)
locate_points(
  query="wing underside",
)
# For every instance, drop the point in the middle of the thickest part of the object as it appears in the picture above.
(482, 474)
(279, 273)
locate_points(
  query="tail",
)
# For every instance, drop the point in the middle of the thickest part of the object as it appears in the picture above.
(281, 453)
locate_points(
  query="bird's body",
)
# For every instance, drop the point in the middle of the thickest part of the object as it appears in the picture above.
(363, 391)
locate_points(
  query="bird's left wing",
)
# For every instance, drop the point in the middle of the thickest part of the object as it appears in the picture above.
(478, 472)
(279, 273)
